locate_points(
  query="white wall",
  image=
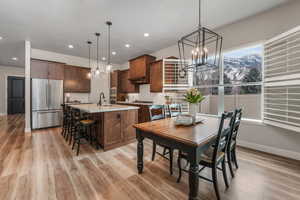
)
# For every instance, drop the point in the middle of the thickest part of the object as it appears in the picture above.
(6, 71)
(252, 30)
(98, 84)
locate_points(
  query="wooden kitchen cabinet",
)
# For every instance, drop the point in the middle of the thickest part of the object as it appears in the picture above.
(39, 69)
(139, 69)
(116, 128)
(156, 76)
(113, 128)
(56, 71)
(47, 70)
(114, 78)
(129, 117)
(126, 86)
(76, 79)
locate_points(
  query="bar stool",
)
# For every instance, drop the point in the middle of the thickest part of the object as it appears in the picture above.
(66, 120)
(86, 130)
(73, 124)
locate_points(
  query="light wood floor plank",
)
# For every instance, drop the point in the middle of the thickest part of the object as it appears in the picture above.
(41, 165)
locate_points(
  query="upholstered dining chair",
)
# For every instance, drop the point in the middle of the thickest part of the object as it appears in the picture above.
(214, 155)
(157, 112)
(231, 148)
(174, 110)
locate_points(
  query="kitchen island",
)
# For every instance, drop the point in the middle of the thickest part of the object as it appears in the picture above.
(114, 123)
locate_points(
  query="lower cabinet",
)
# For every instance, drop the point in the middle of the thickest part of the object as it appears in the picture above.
(116, 128)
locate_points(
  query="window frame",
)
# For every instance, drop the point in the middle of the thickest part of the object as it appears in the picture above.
(221, 86)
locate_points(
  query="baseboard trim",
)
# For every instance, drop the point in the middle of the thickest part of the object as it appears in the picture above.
(271, 150)
(2, 114)
(27, 130)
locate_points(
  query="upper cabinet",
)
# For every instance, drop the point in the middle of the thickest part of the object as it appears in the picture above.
(114, 77)
(47, 70)
(126, 86)
(139, 69)
(156, 76)
(77, 79)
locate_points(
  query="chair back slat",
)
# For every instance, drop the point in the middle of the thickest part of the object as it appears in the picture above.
(234, 127)
(238, 118)
(157, 112)
(223, 132)
(174, 110)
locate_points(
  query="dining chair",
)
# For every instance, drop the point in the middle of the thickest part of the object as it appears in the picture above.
(214, 155)
(231, 148)
(174, 110)
(157, 112)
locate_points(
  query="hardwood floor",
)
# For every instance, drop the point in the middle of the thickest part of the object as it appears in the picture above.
(41, 165)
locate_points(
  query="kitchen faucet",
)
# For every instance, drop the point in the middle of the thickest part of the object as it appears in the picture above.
(100, 100)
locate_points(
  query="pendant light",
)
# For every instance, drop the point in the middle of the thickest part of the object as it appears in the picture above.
(90, 73)
(195, 49)
(97, 72)
(108, 66)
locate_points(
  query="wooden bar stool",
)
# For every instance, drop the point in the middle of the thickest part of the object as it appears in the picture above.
(86, 131)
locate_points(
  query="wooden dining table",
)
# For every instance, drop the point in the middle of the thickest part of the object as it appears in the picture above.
(193, 140)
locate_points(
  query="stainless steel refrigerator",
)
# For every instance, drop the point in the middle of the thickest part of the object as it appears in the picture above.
(47, 97)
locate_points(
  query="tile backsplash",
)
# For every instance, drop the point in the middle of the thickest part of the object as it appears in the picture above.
(82, 97)
(146, 95)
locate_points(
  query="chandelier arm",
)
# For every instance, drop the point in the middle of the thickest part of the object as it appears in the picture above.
(108, 60)
(200, 25)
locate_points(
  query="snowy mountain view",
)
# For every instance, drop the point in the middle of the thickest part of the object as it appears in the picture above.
(241, 66)
(244, 65)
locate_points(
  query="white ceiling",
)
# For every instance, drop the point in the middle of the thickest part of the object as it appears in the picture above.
(53, 24)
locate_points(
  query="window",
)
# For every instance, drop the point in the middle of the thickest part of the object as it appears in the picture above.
(240, 86)
(282, 81)
(207, 81)
(242, 81)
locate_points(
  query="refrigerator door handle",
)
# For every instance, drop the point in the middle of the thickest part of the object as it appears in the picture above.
(49, 94)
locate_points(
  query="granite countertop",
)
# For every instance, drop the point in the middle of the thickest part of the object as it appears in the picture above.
(135, 103)
(94, 108)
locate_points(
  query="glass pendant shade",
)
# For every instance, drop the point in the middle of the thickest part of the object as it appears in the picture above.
(108, 66)
(200, 50)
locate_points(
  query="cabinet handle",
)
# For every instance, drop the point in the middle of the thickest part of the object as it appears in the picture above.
(118, 116)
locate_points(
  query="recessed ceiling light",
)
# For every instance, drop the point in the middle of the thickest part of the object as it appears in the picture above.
(1, 38)
(71, 46)
(103, 58)
(127, 45)
(113, 53)
(14, 58)
(146, 34)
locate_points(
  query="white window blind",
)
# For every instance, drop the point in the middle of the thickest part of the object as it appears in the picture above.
(282, 80)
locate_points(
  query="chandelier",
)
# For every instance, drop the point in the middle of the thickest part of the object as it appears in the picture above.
(199, 50)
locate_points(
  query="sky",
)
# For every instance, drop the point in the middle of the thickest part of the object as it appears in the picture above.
(258, 49)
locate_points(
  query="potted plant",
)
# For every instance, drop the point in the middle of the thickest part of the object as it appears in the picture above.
(193, 97)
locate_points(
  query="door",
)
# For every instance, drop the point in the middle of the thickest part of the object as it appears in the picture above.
(15, 95)
(55, 94)
(39, 94)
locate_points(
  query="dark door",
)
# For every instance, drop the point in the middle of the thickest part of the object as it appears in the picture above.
(15, 95)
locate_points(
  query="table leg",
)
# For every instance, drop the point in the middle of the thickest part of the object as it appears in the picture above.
(193, 175)
(140, 153)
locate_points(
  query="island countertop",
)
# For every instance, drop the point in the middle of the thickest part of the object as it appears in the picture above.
(94, 108)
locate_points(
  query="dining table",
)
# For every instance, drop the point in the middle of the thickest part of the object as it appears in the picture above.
(193, 140)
